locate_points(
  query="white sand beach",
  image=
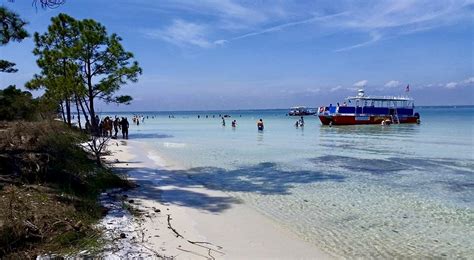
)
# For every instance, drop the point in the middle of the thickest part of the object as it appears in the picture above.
(186, 220)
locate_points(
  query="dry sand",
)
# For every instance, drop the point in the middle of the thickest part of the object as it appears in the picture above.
(186, 220)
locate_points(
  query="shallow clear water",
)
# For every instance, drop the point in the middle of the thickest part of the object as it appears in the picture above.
(369, 191)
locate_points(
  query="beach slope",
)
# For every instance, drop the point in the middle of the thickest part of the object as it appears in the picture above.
(188, 220)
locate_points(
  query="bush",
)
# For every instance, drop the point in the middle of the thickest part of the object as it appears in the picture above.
(53, 203)
(16, 104)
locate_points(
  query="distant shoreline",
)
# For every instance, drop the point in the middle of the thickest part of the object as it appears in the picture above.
(250, 109)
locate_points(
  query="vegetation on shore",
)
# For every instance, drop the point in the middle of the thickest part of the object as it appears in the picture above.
(49, 187)
(81, 63)
(49, 182)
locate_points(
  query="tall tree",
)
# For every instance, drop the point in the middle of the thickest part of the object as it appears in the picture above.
(105, 65)
(59, 71)
(11, 29)
(80, 61)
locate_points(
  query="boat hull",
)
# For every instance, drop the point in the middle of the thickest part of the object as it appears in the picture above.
(362, 120)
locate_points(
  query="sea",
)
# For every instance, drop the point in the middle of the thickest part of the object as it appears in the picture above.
(368, 191)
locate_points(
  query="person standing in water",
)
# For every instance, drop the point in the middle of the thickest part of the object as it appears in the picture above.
(234, 123)
(223, 121)
(124, 123)
(302, 122)
(260, 125)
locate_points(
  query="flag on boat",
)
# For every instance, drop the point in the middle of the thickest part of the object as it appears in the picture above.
(408, 88)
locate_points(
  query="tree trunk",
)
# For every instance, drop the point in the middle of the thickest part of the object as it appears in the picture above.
(84, 110)
(78, 113)
(68, 111)
(62, 111)
(67, 95)
(91, 98)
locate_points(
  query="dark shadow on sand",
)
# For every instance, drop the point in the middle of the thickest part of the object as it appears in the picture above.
(263, 178)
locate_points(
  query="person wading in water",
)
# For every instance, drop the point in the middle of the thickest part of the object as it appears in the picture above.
(260, 125)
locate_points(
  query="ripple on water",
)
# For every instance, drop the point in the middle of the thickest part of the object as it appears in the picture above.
(365, 221)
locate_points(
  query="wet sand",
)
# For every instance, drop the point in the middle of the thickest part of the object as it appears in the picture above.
(187, 220)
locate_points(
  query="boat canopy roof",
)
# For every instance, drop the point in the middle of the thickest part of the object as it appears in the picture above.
(361, 96)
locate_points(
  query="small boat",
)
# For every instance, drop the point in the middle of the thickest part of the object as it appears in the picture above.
(363, 109)
(300, 111)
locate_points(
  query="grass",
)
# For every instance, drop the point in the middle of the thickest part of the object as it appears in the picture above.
(136, 212)
(48, 191)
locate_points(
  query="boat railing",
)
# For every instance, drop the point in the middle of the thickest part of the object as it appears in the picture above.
(365, 110)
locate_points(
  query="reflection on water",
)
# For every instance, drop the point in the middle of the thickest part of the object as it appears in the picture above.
(260, 138)
(369, 130)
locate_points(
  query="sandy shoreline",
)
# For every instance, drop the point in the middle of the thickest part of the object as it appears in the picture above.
(186, 220)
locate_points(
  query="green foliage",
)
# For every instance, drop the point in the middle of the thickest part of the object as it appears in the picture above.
(7, 67)
(11, 29)
(79, 59)
(59, 71)
(11, 26)
(16, 104)
(104, 58)
(122, 99)
(53, 205)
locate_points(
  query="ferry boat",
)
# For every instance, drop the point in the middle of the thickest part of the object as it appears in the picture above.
(363, 109)
(300, 111)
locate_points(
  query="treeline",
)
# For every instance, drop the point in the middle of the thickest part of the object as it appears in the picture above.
(49, 179)
(80, 63)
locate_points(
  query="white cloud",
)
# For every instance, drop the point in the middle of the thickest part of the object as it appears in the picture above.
(361, 84)
(313, 90)
(469, 82)
(392, 84)
(375, 37)
(306, 92)
(220, 42)
(230, 20)
(284, 26)
(183, 33)
(336, 88)
(451, 85)
(389, 19)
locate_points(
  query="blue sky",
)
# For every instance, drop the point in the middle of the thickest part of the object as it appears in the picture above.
(230, 54)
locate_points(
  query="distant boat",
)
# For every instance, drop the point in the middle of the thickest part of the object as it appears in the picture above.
(300, 111)
(363, 109)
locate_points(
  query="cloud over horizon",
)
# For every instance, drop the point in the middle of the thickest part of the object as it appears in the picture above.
(392, 84)
(361, 84)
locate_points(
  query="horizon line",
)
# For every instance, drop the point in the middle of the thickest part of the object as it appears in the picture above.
(253, 109)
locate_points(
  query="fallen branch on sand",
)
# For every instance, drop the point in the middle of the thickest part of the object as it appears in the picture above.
(174, 230)
(196, 243)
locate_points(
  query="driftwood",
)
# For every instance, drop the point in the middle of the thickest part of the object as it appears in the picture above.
(196, 243)
(174, 230)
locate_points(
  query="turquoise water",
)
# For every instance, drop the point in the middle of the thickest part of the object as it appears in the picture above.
(354, 191)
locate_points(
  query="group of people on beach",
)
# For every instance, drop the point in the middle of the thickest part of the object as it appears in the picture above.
(105, 126)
